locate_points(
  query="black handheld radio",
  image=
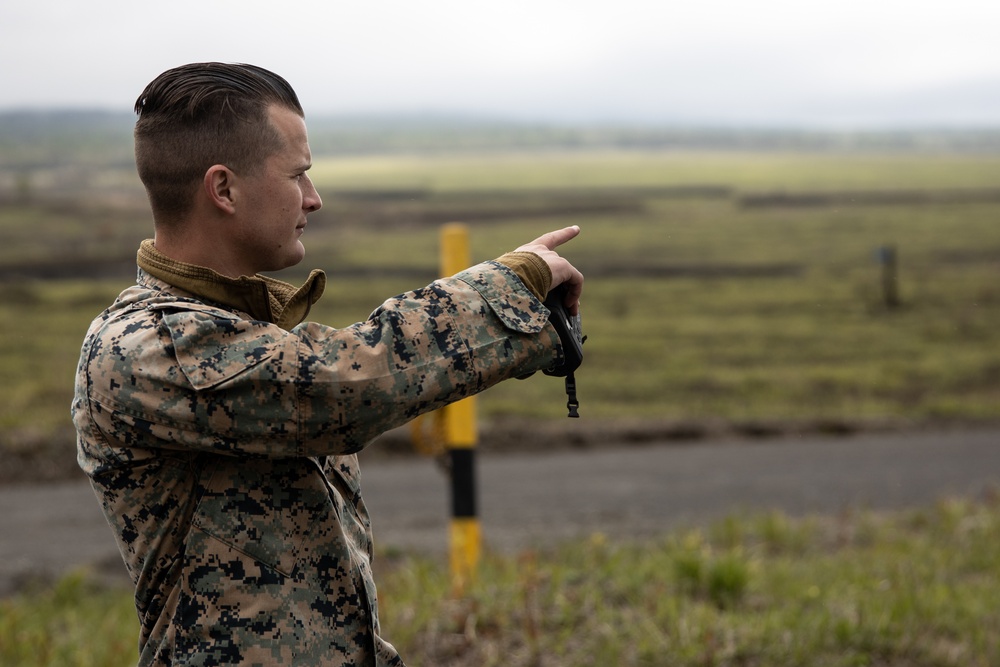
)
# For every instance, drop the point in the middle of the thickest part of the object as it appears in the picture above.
(572, 339)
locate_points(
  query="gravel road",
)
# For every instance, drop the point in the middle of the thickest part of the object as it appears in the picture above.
(528, 500)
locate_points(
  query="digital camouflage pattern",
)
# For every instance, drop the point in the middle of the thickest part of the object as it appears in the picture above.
(222, 450)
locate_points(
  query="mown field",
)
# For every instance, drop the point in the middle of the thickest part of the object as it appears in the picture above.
(725, 290)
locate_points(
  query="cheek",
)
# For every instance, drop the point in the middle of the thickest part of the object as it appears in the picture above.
(291, 201)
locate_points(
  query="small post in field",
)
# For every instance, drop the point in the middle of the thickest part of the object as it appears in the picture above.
(890, 275)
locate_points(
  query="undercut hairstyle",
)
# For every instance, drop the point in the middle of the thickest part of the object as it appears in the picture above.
(198, 115)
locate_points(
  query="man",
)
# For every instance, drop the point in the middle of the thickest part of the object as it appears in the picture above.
(220, 429)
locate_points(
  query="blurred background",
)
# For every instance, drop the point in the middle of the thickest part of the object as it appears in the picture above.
(789, 209)
(789, 214)
(774, 63)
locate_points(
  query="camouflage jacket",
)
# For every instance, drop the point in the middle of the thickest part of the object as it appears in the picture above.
(222, 450)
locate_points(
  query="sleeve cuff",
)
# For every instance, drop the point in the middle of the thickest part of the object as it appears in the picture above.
(533, 271)
(507, 296)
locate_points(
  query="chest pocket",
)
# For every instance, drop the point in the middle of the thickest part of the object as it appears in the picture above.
(212, 345)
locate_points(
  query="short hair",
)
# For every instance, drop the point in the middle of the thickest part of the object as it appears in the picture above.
(197, 115)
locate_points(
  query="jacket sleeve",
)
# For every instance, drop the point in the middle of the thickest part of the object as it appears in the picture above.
(188, 376)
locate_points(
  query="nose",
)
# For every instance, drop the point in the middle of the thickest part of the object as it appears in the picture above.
(311, 200)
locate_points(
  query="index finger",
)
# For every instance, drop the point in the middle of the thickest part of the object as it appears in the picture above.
(555, 239)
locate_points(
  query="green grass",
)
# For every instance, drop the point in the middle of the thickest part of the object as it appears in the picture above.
(44, 327)
(689, 334)
(74, 623)
(917, 587)
(743, 171)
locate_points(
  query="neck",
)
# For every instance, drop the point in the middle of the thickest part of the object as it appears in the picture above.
(192, 245)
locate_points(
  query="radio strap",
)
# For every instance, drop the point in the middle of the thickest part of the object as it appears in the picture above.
(572, 404)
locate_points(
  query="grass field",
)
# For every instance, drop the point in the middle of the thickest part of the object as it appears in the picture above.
(699, 307)
(627, 169)
(909, 588)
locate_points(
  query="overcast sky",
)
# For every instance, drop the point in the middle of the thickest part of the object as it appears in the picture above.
(829, 64)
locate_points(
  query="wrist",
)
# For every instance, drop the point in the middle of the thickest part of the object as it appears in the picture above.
(533, 271)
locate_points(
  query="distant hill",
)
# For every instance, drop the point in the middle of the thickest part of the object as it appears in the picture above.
(41, 138)
(38, 138)
(391, 134)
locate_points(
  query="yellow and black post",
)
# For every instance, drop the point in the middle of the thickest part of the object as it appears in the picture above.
(460, 437)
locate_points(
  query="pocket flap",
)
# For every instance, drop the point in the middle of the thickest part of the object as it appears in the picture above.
(213, 346)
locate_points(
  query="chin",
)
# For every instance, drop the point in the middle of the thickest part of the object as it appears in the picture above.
(295, 257)
(282, 263)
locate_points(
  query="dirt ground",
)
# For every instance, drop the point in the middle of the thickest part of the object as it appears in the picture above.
(54, 458)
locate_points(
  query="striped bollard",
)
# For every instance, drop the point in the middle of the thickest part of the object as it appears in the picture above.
(460, 437)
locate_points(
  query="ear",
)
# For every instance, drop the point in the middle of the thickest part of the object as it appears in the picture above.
(218, 185)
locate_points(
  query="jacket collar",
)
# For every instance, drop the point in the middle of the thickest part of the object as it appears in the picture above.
(262, 297)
